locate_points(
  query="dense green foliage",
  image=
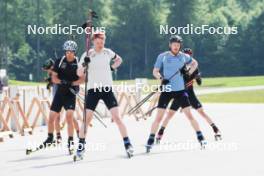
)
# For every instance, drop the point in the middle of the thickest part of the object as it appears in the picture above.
(133, 31)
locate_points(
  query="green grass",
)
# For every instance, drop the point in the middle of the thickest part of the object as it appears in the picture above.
(207, 82)
(254, 96)
(24, 83)
(217, 82)
(233, 81)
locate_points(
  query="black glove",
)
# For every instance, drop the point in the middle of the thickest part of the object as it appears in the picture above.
(184, 70)
(87, 60)
(49, 82)
(199, 79)
(49, 86)
(165, 81)
(66, 83)
(112, 69)
(48, 64)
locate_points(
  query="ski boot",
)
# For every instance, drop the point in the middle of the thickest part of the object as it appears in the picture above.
(70, 145)
(201, 140)
(218, 136)
(48, 143)
(59, 140)
(129, 151)
(150, 142)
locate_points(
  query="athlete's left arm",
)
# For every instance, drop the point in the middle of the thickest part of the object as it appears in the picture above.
(117, 62)
(192, 66)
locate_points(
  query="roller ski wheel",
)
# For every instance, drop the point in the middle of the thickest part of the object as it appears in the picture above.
(78, 156)
(218, 136)
(53, 144)
(130, 151)
(148, 148)
(29, 151)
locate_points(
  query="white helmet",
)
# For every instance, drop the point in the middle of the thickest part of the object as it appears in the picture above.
(70, 46)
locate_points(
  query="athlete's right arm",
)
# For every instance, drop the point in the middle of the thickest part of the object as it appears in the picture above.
(80, 69)
(54, 73)
(156, 73)
(157, 67)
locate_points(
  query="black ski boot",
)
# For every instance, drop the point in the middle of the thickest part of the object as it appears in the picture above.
(150, 143)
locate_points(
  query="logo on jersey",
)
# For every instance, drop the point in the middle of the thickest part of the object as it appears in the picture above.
(63, 65)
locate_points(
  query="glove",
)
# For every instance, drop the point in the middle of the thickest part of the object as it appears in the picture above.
(49, 81)
(198, 79)
(165, 81)
(184, 70)
(87, 60)
(112, 69)
(66, 83)
(49, 85)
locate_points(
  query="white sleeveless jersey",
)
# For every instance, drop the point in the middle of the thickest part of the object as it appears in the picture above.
(99, 72)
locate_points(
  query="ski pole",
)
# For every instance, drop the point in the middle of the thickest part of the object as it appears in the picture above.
(97, 115)
(137, 106)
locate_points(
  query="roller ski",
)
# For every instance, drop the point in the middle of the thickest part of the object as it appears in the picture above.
(80, 151)
(218, 136)
(150, 142)
(203, 144)
(71, 151)
(79, 155)
(49, 142)
(201, 139)
(29, 151)
(129, 151)
(148, 148)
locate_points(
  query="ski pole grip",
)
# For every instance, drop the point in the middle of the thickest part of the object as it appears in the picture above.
(86, 61)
